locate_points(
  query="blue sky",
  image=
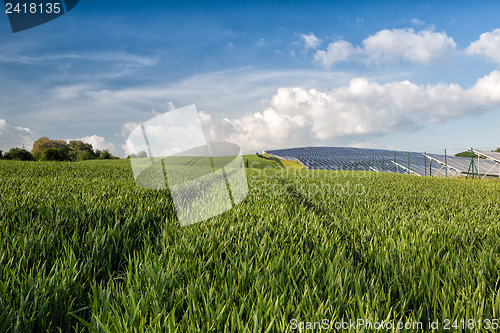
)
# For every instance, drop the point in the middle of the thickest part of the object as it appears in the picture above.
(420, 76)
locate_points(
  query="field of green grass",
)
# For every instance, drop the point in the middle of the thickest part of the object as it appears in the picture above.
(82, 248)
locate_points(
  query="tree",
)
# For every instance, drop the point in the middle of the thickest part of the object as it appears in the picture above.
(80, 150)
(497, 151)
(141, 154)
(54, 154)
(1, 156)
(84, 155)
(106, 155)
(19, 154)
(74, 150)
(467, 154)
(45, 143)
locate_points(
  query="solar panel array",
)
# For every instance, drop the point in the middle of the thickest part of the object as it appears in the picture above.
(380, 160)
(491, 155)
(491, 163)
(463, 165)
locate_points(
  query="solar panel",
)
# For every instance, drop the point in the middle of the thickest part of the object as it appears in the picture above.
(491, 155)
(347, 158)
(380, 160)
(490, 164)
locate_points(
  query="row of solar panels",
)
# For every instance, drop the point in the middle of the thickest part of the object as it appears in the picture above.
(379, 160)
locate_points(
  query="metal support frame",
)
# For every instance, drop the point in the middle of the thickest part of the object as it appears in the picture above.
(443, 165)
(478, 153)
(497, 162)
(472, 167)
(487, 172)
(404, 168)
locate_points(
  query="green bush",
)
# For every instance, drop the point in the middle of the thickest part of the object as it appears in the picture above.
(19, 154)
(84, 155)
(54, 154)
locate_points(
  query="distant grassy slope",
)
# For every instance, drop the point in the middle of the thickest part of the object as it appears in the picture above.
(257, 162)
(291, 164)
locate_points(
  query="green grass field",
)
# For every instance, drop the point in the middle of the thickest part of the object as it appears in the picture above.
(84, 249)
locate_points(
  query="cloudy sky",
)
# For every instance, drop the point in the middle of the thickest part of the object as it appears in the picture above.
(419, 76)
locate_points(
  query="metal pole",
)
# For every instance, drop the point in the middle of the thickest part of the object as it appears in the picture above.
(395, 163)
(445, 164)
(425, 163)
(409, 163)
(471, 164)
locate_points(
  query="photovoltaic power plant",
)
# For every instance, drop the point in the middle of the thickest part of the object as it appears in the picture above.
(380, 160)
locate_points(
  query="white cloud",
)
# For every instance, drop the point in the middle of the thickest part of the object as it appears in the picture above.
(14, 136)
(235, 108)
(127, 128)
(406, 44)
(390, 46)
(98, 142)
(488, 46)
(311, 41)
(358, 112)
(337, 52)
(170, 106)
(487, 90)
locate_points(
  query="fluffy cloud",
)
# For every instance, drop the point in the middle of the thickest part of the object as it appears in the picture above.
(311, 41)
(359, 111)
(488, 46)
(487, 90)
(337, 52)
(98, 142)
(14, 136)
(129, 127)
(390, 46)
(406, 44)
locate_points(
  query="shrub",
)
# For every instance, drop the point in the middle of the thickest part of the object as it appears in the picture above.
(54, 154)
(19, 154)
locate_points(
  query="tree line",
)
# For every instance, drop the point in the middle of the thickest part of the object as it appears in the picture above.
(45, 149)
(468, 154)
